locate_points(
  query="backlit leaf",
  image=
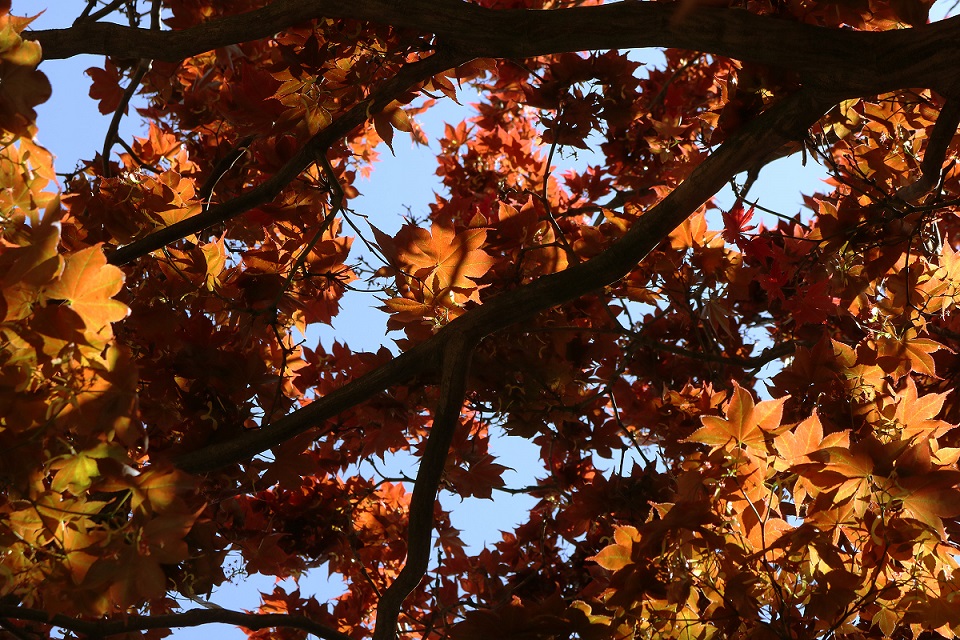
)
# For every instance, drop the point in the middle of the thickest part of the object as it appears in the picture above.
(88, 285)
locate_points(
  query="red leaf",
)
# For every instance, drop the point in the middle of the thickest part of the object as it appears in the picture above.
(106, 87)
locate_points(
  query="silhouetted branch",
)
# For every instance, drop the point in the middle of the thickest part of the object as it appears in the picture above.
(830, 61)
(406, 78)
(453, 388)
(192, 618)
(848, 62)
(936, 152)
(765, 357)
(779, 125)
(142, 67)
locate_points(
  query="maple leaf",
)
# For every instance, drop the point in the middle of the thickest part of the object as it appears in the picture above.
(131, 578)
(616, 556)
(797, 443)
(88, 285)
(929, 497)
(214, 257)
(479, 479)
(156, 490)
(391, 117)
(516, 225)
(81, 550)
(164, 536)
(848, 470)
(23, 88)
(917, 414)
(735, 223)
(812, 304)
(76, 474)
(34, 264)
(440, 258)
(106, 89)
(900, 357)
(744, 423)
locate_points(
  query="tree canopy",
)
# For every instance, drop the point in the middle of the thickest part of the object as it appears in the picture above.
(163, 406)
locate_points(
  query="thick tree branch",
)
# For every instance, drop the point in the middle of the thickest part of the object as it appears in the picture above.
(832, 60)
(783, 123)
(409, 76)
(849, 62)
(192, 618)
(446, 418)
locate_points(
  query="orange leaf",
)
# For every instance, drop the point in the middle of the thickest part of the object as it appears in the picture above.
(442, 258)
(479, 479)
(76, 474)
(796, 444)
(900, 357)
(744, 423)
(214, 256)
(930, 497)
(165, 535)
(613, 557)
(88, 284)
(34, 264)
(392, 117)
(106, 89)
(917, 413)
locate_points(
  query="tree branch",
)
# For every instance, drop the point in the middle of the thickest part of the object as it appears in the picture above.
(782, 123)
(192, 618)
(831, 59)
(407, 77)
(143, 66)
(755, 362)
(936, 152)
(847, 61)
(453, 387)
(103, 11)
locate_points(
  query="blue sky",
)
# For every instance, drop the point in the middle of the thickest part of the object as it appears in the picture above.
(71, 126)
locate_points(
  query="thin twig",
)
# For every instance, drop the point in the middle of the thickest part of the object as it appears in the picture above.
(143, 66)
(220, 169)
(86, 11)
(86, 16)
(544, 196)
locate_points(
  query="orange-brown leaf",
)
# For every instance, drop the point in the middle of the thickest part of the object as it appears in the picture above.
(88, 285)
(442, 258)
(743, 424)
(799, 442)
(613, 557)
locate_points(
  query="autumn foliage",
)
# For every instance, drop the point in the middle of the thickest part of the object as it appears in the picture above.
(747, 419)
